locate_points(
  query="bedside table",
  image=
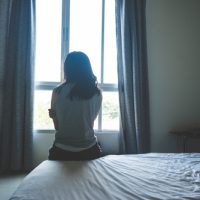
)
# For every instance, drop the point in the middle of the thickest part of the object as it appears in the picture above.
(185, 133)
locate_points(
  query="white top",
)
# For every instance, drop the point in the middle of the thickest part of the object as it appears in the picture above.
(75, 119)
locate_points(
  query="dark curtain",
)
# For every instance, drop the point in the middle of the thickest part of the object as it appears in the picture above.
(132, 76)
(17, 45)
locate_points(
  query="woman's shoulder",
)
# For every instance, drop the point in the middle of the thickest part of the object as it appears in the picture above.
(98, 95)
(58, 88)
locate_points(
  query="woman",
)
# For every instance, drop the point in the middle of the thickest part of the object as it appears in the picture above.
(75, 105)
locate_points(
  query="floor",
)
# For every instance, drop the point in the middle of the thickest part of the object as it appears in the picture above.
(9, 183)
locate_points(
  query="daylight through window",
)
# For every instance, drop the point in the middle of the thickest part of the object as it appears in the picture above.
(77, 25)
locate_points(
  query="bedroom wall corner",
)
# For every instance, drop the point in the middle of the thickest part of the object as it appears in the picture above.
(173, 38)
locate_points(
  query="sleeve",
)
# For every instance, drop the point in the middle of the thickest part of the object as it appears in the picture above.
(97, 104)
(52, 111)
(53, 99)
(55, 94)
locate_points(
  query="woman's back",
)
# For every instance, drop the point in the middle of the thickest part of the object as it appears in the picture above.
(74, 106)
(75, 118)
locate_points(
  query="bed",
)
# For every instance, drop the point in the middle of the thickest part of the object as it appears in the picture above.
(115, 177)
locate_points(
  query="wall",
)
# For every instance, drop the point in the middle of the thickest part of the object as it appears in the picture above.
(173, 39)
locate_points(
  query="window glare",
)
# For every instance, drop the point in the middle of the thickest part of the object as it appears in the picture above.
(110, 111)
(48, 40)
(87, 33)
(41, 106)
(110, 53)
(85, 30)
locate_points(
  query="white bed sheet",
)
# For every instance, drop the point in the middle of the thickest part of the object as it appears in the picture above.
(115, 177)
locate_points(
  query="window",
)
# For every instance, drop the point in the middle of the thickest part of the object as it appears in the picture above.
(65, 26)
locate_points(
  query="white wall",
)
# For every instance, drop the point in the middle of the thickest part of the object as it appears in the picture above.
(173, 39)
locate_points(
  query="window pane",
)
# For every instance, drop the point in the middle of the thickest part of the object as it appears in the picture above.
(110, 111)
(48, 40)
(41, 105)
(85, 30)
(110, 54)
(85, 35)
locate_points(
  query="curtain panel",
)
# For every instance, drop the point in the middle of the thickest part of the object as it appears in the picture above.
(17, 44)
(132, 75)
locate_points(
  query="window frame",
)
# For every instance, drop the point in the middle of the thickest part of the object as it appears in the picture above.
(65, 35)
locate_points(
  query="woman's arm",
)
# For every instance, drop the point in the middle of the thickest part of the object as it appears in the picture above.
(52, 112)
(52, 115)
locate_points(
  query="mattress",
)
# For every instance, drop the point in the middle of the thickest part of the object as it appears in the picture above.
(115, 177)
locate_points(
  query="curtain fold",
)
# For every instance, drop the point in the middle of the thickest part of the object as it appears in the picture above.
(132, 75)
(17, 45)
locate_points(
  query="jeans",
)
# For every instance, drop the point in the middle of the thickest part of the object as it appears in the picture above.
(56, 153)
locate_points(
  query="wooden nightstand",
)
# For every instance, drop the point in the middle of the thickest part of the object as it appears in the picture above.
(185, 133)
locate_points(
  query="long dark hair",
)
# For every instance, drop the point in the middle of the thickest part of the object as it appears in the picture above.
(78, 70)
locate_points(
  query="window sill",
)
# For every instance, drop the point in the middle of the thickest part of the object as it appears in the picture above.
(52, 131)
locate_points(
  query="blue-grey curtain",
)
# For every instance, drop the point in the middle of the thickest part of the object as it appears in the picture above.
(132, 76)
(17, 42)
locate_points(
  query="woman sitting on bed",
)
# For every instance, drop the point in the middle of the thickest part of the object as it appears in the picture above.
(75, 105)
